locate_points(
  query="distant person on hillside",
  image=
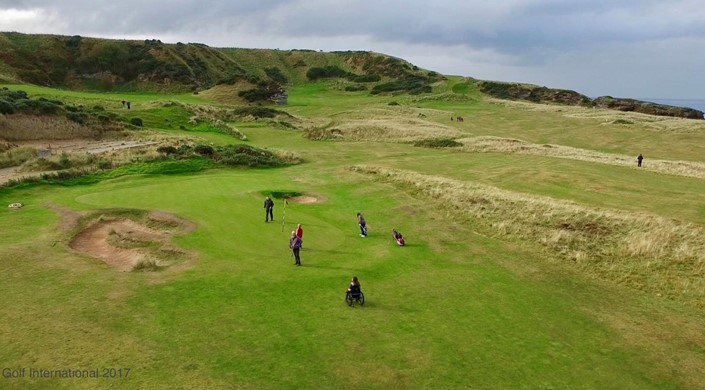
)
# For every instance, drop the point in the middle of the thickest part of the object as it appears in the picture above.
(123, 103)
(295, 245)
(363, 225)
(639, 158)
(300, 233)
(268, 209)
(128, 105)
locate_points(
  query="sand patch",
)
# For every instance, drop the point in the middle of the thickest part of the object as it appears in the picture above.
(128, 245)
(307, 199)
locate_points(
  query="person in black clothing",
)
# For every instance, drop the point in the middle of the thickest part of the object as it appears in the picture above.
(354, 287)
(363, 225)
(638, 159)
(268, 209)
(295, 245)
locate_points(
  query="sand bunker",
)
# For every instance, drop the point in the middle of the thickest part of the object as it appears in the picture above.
(128, 245)
(309, 198)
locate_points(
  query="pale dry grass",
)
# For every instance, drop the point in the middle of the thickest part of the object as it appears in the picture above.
(650, 253)
(508, 145)
(609, 117)
(20, 127)
(397, 124)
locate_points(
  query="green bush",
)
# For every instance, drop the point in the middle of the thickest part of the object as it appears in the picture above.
(258, 112)
(136, 122)
(78, 117)
(245, 155)
(6, 107)
(355, 88)
(253, 95)
(365, 78)
(410, 85)
(276, 75)
(204, 150)
(330, 71)
(438, 143)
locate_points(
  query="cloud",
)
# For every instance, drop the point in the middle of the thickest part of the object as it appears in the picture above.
(560, 40)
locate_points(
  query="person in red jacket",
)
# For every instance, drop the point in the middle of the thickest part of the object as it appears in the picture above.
(300, 234)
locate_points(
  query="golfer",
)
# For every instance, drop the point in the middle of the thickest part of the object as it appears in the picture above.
(295, 245)
(363, 225)
(268, 209)
(300, 234)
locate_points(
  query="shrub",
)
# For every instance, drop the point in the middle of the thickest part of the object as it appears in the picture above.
(330, 71)
(204, 150)
(275, 74)
(355, 88)
(365, 78)
(253, 95)
(438, 143)
(166, 150)
(136, 121)
(392, 103)
(258, 112)
(410, 85)
(246, 155)
(6, 107)
(77, 117)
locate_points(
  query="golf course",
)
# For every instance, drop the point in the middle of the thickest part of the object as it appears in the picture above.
(538, 255)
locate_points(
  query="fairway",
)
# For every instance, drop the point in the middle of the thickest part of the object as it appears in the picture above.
(467, 303)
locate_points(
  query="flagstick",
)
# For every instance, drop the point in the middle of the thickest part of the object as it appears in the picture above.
(286, 202)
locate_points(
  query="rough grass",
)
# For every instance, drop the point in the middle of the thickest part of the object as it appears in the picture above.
(509, 145)
(17, 156)
(22, 127)
(660, 256)
(399, 125)
(611, 117)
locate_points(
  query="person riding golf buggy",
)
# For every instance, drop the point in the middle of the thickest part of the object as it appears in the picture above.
(354, 293)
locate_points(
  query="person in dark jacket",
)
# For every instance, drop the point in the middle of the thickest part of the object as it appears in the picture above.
(268, 209)
(354, 287)
(295, 245)
(363, 225)
(639, 158)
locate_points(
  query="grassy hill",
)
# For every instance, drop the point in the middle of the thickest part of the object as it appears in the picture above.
(121, 65)
(538, 254)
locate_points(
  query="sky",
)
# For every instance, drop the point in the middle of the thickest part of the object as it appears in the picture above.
(620, 48)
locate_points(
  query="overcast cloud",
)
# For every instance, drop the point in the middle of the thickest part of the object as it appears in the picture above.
(622, 48)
